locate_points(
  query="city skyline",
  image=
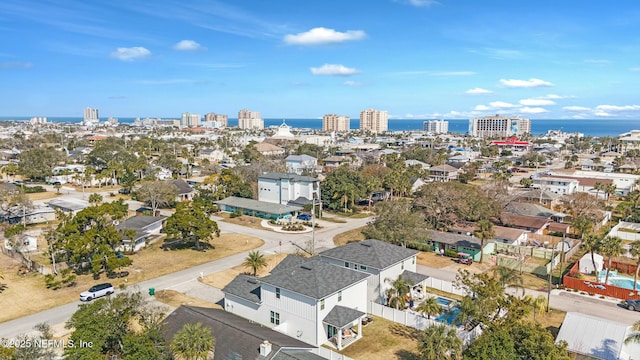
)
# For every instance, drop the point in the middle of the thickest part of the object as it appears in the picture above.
(415, 59)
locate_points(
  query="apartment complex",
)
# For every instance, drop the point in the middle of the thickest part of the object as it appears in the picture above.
(190, 120)
(248, 119)
(436, 126)
(374, 120)
(91, 114)
(333, 122)
(499, 126)
(218, 119)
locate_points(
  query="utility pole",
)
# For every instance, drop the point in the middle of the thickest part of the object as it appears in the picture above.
(313, 227)
(550, 278)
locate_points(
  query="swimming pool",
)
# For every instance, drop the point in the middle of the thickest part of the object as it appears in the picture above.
(450, 317)
(443, 301)
(617, 280)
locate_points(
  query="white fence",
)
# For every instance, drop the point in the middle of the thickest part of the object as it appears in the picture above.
(444, 285)
(407, 318)
(320, 351)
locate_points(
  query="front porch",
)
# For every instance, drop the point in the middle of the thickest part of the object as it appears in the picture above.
(343, 326)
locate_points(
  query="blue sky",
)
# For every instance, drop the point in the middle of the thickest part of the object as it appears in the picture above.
(303, 59)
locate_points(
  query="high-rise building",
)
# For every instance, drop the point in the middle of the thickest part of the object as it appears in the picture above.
(499, 126)
(91, 115)
(190, 120)
(436, 126)
(374, 120)
(333, 122)
(222, 120)
(248, 119)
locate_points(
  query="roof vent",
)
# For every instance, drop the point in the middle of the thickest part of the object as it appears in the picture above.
(252, 281)
(306, 267)
(265, 348)
(365, 244)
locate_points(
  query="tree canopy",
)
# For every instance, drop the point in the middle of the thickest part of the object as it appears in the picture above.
(398, 223)
(191, 222)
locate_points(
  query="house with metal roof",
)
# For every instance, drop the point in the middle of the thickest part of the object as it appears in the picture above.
(381, 261)
(266, 210)
(312, 301)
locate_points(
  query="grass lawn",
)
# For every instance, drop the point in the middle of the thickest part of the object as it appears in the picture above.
(244, 220)
(349, 236)
(151, 262)
(220, 279)
(382, 340)
(434, 260)
(550, 321)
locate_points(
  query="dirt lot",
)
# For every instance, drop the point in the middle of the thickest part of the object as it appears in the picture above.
(43, 195)
(149, 263)
(349, 236)
(174, 299)
(222, 278)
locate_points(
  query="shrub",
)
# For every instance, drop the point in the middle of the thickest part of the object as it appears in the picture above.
(33, 189)
(450, 253)
(236, 213)
(419, 246)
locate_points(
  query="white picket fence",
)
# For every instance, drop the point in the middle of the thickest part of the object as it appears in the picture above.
(407, 318)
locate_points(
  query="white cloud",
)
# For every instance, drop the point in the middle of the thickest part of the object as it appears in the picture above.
(533, 110)
(478, 91)
(482, 108)
(352, 83)
(333, 69)
(533, 82)
(187, 45)
(502, 105)
(618, 108)
(576, 108)
(321, 35)
(602, 114)
(536, 102)
(555, 97)
(132, 53)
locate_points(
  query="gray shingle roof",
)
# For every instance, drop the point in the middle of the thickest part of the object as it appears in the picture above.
(294, 177)
(341, 316)
(314, 279)
(302, 157)
(289, 261)
(260, 206)
(413, 278)
(455, 239)
(182, 187)
(244, 286)
(139, 222)
(372, 253)
(295, 354)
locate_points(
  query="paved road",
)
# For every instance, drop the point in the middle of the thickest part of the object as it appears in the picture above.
(186, 281)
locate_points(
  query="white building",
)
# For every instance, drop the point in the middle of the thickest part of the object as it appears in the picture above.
(90, 116)
(586, 264)
(219, 120)
(436, 126)
(250, 120)
(629, 141)
(298, 164)
(285, 188)
(564, 186)
(190, 120)
(338, 123)
(499, 126)
(376, 121)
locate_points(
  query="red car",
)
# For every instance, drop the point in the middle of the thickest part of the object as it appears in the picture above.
(466, 260)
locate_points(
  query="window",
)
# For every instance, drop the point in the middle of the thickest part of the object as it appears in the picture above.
(362, 267)
(346, 264)
(275, 318)
(339, 295)
(322, 304)
(277, 293)
(413, 260)
(402, 266)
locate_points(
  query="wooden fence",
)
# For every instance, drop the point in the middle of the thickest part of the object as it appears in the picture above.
(570, 281)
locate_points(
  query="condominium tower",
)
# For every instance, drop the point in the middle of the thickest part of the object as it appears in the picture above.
(374, 120)
(436, 126)
(499, 126)
(250, 120)
(91, 114)
(190, 120)
(223, 120)
(333, 122)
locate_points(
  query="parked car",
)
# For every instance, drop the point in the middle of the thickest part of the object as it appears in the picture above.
(465, 259)
(305, 217)
(633, 305)
(97, 291)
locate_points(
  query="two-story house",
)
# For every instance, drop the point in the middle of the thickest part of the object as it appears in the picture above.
(309, 300)
(444, 173)
(383, 262)
(298, 164)
(285, 188)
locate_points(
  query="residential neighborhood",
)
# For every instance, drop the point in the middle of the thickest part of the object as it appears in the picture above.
(282, 243)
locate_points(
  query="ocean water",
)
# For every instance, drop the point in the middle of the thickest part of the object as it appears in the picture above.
(595, 127)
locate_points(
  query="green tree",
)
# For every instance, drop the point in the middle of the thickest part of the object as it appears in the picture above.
(429, 307)
(341, 188)
(611, 247)
(634, 337)
(191, 223)
(255, 261)
(592, 243)
(193, 342)
(509, 278)
(95, 198)
(157, 194)
(38, 163)
(526, 182)
(484, 233)
(492, 345)
(397, 223)
(440, 342)
(635, 252)
(397, 292)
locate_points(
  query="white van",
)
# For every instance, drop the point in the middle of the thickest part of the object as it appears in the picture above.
(97, 291)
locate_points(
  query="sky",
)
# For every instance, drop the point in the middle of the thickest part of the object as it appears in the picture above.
(416, 59)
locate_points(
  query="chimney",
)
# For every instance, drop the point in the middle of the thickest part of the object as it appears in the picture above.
(265, 348)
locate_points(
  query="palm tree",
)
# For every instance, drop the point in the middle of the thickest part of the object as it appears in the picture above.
(484, 232)
(592, 243)
(509, 278)
(635, 336)
(611, 246)
(539, 304)
(95, 198)
(256, 261)
(397, 292)
(610, 189)
(193, 342)
(440, 342)
(598, 186)
(429, 307)
(635, 252)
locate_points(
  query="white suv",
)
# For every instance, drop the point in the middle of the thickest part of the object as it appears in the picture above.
(97, 291)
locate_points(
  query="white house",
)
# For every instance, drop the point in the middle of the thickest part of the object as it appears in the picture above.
(307, 299)
(22, 243)
(299, 163)
(558, 185)
(144, 227)
(284, 188)
(213, 155)
(383, 262)
(586, 265)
